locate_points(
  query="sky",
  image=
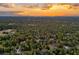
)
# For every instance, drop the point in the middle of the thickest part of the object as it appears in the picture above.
(39, 9)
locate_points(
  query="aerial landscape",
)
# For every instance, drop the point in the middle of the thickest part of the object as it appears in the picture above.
(39, 29)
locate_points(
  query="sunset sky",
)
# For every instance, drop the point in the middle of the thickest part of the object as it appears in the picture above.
(39, 9)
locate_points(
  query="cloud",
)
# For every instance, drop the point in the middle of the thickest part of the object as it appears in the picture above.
(44, 9)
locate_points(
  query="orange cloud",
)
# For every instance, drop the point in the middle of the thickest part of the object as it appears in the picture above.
(54, 10)
(45, 10)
